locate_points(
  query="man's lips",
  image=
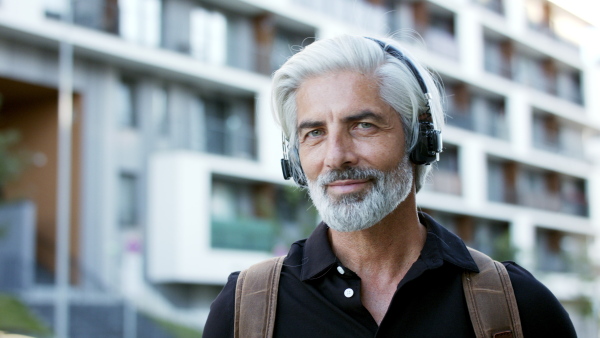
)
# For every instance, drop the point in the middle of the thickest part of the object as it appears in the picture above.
(346, 186)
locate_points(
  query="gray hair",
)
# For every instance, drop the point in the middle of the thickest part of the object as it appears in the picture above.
(398, 87)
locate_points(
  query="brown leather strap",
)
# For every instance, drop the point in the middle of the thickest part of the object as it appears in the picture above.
(491, 299)
(256, 299)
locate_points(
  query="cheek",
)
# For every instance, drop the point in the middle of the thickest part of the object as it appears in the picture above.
(310, 163)
(384, 154)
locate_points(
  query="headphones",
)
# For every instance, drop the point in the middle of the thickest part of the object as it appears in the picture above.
(429, 140)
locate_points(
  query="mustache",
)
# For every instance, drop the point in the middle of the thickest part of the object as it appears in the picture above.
(351, 173)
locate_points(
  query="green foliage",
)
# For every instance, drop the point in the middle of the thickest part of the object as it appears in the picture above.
(17, 318)
(12, 161)
(177, 330)
(585, 306)
(306, 213)
(503, 249)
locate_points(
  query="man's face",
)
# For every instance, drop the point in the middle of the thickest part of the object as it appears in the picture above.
(351, 147)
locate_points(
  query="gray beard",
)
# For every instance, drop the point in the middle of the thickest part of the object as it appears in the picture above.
(359, 211)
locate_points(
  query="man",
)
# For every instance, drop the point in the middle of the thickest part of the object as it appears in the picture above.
(363, 123)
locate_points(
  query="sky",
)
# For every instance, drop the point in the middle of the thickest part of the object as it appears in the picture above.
(588, 10)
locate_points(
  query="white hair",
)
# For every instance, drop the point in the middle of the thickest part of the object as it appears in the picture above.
(398, 87)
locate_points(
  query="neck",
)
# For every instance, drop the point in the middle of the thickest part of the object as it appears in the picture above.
(387, 249)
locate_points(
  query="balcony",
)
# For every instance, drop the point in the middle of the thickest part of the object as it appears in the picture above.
(230, 127)
(256, 216)
(517, 63)
(243, 234)
(359, 13)
(563, 252)
(557, 136)
(476, 112)
(513, 183)
(488, 236)
(554, 22)
(445, 177)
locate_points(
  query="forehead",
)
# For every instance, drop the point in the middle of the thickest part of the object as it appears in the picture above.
(338, 93)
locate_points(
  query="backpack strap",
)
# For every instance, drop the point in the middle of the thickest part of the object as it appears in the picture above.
(491, 299)
(256, 299)
(489, 294)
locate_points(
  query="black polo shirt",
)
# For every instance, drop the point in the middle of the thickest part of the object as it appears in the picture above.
(319, 297)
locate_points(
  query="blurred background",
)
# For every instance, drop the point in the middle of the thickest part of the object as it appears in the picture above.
(139, 161)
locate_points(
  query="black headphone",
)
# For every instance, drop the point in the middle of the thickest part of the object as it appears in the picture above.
(429, 140)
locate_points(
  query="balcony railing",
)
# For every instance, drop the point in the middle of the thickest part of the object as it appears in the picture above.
(482, 118)
(444, 181)
(243, 234)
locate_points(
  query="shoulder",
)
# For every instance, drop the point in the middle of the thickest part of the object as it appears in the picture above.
(221, 315)
(541, 313)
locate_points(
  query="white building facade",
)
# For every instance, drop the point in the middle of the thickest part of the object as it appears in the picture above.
(176, 177)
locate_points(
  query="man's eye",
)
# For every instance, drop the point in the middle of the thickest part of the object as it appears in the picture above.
(315, 133)
(365, 125)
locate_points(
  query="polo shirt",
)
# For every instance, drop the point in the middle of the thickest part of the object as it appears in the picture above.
(320, 297)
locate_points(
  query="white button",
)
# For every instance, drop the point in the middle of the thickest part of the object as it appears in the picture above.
(348, 293)
(340, 270)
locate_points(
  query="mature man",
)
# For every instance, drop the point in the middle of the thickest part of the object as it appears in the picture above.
(363, 123)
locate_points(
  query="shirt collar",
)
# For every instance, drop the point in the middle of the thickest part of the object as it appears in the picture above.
(318, 255)
(440, 246)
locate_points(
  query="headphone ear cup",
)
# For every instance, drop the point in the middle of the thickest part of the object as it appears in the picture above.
(429, 145)
(288, 172)
(286, 169)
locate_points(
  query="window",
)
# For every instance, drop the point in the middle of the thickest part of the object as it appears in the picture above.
(160, 109)
(519, 184)
(569, 85)
(437, 30)
(496, 6)
(558, 251)
(491, 118)
(101, 15)
(488, 236)
(140, 21)
(56, 9)
(230, 127)
(126, 103)
(445, 177)
(194, 126)
(556, 135)
(128, 201)
(498, 57)
(475, 110)
(208, 36)
(285, 45)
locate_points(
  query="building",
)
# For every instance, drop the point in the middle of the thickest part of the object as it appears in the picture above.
(175, 160)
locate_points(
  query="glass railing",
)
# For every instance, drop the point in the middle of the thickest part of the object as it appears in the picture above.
(243, 234)
(444, 181)
(485, 122)
(441, 42)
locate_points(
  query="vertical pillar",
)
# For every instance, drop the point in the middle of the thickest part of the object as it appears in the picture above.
(63, 198)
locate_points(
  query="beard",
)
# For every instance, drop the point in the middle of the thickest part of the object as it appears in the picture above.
(361, 210)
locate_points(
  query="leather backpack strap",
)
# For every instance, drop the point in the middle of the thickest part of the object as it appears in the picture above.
(256, 299)
(491, 299)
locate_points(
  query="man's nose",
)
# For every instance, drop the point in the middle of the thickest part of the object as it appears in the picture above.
(340, 151)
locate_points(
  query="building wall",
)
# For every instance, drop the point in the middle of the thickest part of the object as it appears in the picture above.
(160, 253)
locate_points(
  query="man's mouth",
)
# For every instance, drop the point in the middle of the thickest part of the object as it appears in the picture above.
(346, 186)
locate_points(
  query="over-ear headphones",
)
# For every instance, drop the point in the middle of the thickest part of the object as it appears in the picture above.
(429, 139)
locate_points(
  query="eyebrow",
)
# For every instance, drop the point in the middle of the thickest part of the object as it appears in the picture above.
(363, 115)
(366, 114)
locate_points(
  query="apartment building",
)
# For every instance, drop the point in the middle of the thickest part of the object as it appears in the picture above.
(175, 158)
